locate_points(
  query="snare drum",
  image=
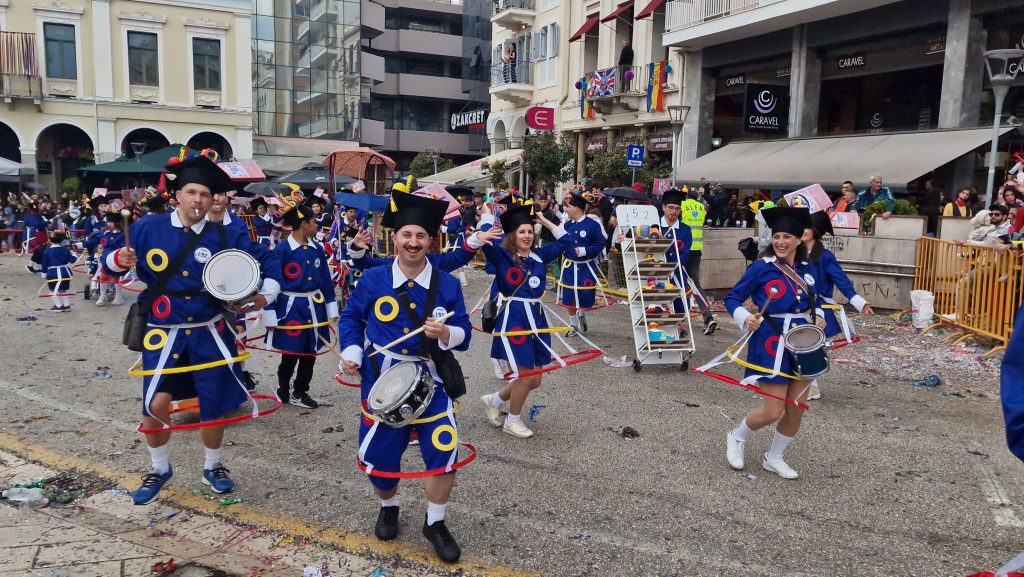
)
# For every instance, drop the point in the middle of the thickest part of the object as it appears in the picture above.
(231, 276)
(401, 394)
(809, 349)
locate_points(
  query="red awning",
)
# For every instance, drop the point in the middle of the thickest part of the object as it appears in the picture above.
(587, 27)
(654, 5)
(243, 171)
(615, 13)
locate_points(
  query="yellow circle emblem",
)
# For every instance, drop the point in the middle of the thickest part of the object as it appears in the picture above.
(155, 255)
(379, 306)
(436, 438)
(161, 337)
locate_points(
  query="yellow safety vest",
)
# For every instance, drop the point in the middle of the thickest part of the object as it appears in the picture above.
(693, 214)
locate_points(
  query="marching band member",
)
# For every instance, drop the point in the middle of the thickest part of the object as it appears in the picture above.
(522, 333)
(456, 230)
(189, 351)
(262, 223)
(775, 286)
(57, 259)
(828, 276)
(580, 280)
(111, 240)
(95, 225)
(310, 305)
(374, 317)
(1011, 388)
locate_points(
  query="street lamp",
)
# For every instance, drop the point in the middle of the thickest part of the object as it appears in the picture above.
(138, 148)
(677, 116)
(1002, 67)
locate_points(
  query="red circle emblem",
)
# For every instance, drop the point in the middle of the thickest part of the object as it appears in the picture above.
(777, 286)
(292, 270)
(161, 307)
(588, 282)
(293, 333)
(219, 326)
(514, 276)
(519, 339)
(771, 346)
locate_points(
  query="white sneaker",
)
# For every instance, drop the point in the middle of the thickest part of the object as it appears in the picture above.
(814, 394)
(500, 368)
(101, 303)
(779, 467)
(734, 451)
(493, 413)
(117, 302)
(517, 429)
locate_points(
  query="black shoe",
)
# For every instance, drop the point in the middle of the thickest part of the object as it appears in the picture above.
(283, 395)
(444, 544)
(710, 326)
(249, 380)
(583, 323)
(387, 523)
(304, 401)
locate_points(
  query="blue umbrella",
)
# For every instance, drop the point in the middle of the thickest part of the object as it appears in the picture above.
(367, 202)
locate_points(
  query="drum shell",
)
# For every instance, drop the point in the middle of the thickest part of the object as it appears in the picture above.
(410, 404)
(809, 359)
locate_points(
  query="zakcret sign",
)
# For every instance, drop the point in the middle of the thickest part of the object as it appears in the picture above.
(766, 108)
(469, 119)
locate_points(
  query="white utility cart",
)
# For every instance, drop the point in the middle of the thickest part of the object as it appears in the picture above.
(644, 263)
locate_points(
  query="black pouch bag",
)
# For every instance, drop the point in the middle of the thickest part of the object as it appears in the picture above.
(448, 368)
(489, 316)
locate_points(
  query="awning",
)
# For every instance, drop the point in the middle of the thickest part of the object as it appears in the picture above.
(471, 173)
(615, 13)
(654, 5)
(587, 27)
(791, 164)
(243, 171)
(10, 168)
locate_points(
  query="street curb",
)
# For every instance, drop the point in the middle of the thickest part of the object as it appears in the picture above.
(353, 543)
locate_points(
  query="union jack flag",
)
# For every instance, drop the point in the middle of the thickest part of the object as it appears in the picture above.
(603, 83)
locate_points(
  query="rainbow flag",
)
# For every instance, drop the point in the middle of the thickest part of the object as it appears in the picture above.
(656, 78)
(586, 109)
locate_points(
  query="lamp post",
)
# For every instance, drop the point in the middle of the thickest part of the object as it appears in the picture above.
(1002, 67)
(138, 148)
(677, 117)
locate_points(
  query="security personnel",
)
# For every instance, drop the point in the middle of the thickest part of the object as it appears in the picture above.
(693, 213)
(185, 330)
(374, 317)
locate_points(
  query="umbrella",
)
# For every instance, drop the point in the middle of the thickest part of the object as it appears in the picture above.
(367, 202)
(313, 175)
(149, 163)
(357, 162)
(627, 194)
(264, 189)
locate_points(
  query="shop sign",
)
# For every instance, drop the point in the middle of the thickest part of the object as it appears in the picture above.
(44, 167)
(660, 142)
(471, 119)
(737, 80)
(596, 145)
(782, 72)
(936, 45)
(541, 118)
(849, 61)
(766, 108)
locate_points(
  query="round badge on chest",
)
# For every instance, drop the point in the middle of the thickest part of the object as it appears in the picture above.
(438, 312)
(534, 282)
(316, 263)
(583, 234)
(808, 279)
(202, 254)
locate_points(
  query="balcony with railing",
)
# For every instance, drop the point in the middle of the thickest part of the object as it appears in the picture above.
(626, 88)
(514, 14)
(512, 82)
(19, 69)
(616, 81)
(686, 13)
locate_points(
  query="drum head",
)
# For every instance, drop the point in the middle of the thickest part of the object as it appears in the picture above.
(805, 338)
(231, 275)
(393, 386)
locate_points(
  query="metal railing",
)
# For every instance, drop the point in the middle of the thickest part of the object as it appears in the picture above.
(21, 86)
(617, 81)
(511, 73)
(500, 6)
(686, 13)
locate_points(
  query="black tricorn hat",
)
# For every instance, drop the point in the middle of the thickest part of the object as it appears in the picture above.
(199, 170)
(405, 209)
(517, 216)
(788, 219)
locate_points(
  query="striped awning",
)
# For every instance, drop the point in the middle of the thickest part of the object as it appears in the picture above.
(18, 54)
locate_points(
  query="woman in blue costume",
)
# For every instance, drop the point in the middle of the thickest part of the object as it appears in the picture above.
(778, 285)
(828, 276)
(523, 333)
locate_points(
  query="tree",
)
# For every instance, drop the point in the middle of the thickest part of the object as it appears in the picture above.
(497, 174)
(608, 168)
(423, 164)
(550, 158)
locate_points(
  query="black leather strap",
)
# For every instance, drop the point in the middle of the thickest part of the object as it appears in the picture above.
(427, 346)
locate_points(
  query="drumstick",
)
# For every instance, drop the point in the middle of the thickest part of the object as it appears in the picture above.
(328, 343)
(773, 293)
(126, 215)
(405, 337)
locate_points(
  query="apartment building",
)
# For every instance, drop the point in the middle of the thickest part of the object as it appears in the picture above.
(89, 81)
(865, 86)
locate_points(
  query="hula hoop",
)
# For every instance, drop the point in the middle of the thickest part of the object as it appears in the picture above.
(845, 343)
(768, 372)
(85, 265)
(456, 407)
(50, 294)
(533, 332)
(135, 372)
(337, 378)
(571, 359)
(247, 343)
(753, 388)
(215, 422)
(609, 301)
(420, 474)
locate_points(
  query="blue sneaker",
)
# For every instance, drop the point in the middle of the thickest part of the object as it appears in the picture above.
(218, 480)
(151, 485)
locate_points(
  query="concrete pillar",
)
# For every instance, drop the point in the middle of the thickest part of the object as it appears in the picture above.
(804, 86)
(581, 155)
(28, 158)
(106, 139)
(699, 95)
(243, 143)
(515, 143)
(102, 38)
(243, 62)
(498, 145)
(964, 69)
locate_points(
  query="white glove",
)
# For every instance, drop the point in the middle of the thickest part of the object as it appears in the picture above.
(580, 251)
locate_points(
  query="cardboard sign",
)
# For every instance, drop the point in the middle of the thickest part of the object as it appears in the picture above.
(813, 198)
(845, 219)
(357, 186)
(661, 185)
(438, 192)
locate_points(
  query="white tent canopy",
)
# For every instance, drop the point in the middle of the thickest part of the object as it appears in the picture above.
(11, 171)
(471, 174)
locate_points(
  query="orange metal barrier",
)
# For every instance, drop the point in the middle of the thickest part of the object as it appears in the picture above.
(976, 288)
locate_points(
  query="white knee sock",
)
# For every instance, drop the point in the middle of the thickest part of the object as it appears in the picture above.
(65, 301)
(212, 458)
(779, 444)
(511, 418)
(742, 432)
(814, 384)
(160, 457)
(435, 512)
(118, 294)
(496, 401)
(56, 301)
(392, 502)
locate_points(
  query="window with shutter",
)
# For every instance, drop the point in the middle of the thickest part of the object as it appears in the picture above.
(554, 39)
